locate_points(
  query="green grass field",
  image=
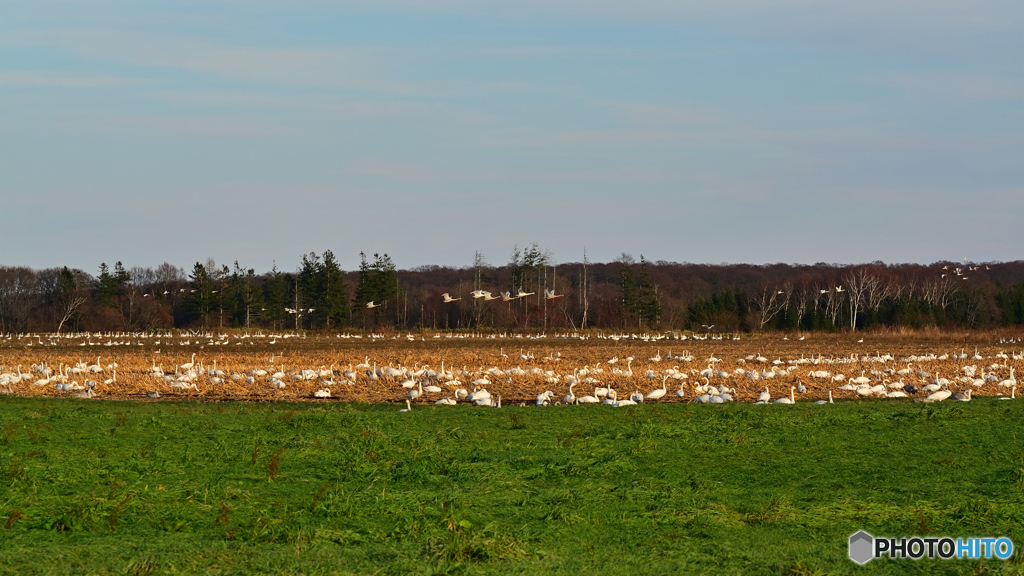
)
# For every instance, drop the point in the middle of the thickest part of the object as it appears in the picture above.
(95, 487)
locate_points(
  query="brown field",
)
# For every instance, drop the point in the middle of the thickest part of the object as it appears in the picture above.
(238, 354)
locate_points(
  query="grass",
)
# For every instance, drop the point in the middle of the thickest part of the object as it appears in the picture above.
(145, 488)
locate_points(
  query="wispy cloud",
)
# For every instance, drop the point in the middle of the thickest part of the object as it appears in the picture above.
(149, 126)
(61, 80)
(961, 85)
(411, 172)
(957, 14)
(660, 114)
(223, 98)
(339, 67)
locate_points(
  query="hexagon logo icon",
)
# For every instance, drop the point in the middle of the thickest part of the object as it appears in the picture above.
(862, 547)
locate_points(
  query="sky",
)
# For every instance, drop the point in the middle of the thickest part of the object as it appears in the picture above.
(740, 131)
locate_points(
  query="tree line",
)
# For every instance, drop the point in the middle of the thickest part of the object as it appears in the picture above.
(529, 292)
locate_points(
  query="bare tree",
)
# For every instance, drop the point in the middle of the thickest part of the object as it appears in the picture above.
(806, 295)
(897, 286)
(479, 263)
(939, 291)
(129, 302)
(857, 282)
(878, 291)
(584, 300)
(17, 286)
(770, 302)
(72, 294)
(833, 297)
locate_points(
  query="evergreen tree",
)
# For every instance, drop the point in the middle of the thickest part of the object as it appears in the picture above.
(201, 296)
(648, 307)
(322, 283)
(378, 283)
(366, 289)
(628, 293)
(311, 286)
(121, 276)
(248, 295)
(277, 287)
(387, 277)
(527, 266)
(106, 286)
(224, 295)
(639, 296)
(333, 303)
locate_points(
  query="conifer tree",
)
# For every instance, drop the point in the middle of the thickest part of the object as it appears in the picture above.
(648, 306)
(248, 295)
(276, 287)
(106, 286)
(200, 293)
(378, 283)
(333, 303)
(639, 295)
(322, 283)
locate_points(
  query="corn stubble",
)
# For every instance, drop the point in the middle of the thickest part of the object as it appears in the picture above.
(134, 377)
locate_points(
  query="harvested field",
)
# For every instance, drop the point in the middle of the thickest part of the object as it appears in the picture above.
(517, 368)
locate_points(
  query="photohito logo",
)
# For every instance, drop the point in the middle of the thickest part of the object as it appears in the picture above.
(864, 547)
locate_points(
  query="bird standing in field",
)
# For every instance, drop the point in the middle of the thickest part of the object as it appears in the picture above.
(658, 393)
(790, 400)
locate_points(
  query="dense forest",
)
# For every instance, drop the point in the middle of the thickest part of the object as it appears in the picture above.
(529, 292)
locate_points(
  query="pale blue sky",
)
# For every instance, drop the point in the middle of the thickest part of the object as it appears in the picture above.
(704, 131)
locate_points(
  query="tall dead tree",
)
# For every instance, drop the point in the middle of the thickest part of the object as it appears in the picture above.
(769, 303)
(857, 282)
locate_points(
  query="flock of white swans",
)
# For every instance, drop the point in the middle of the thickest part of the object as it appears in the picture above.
(611, 382)
(202, 339)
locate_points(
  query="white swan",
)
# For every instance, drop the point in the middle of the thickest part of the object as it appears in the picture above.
(938, 396)
(829, 401)
(570, 398)
(660, 392)
(790, 400)
(1009, 382)
(544, 398)
(414, 394)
